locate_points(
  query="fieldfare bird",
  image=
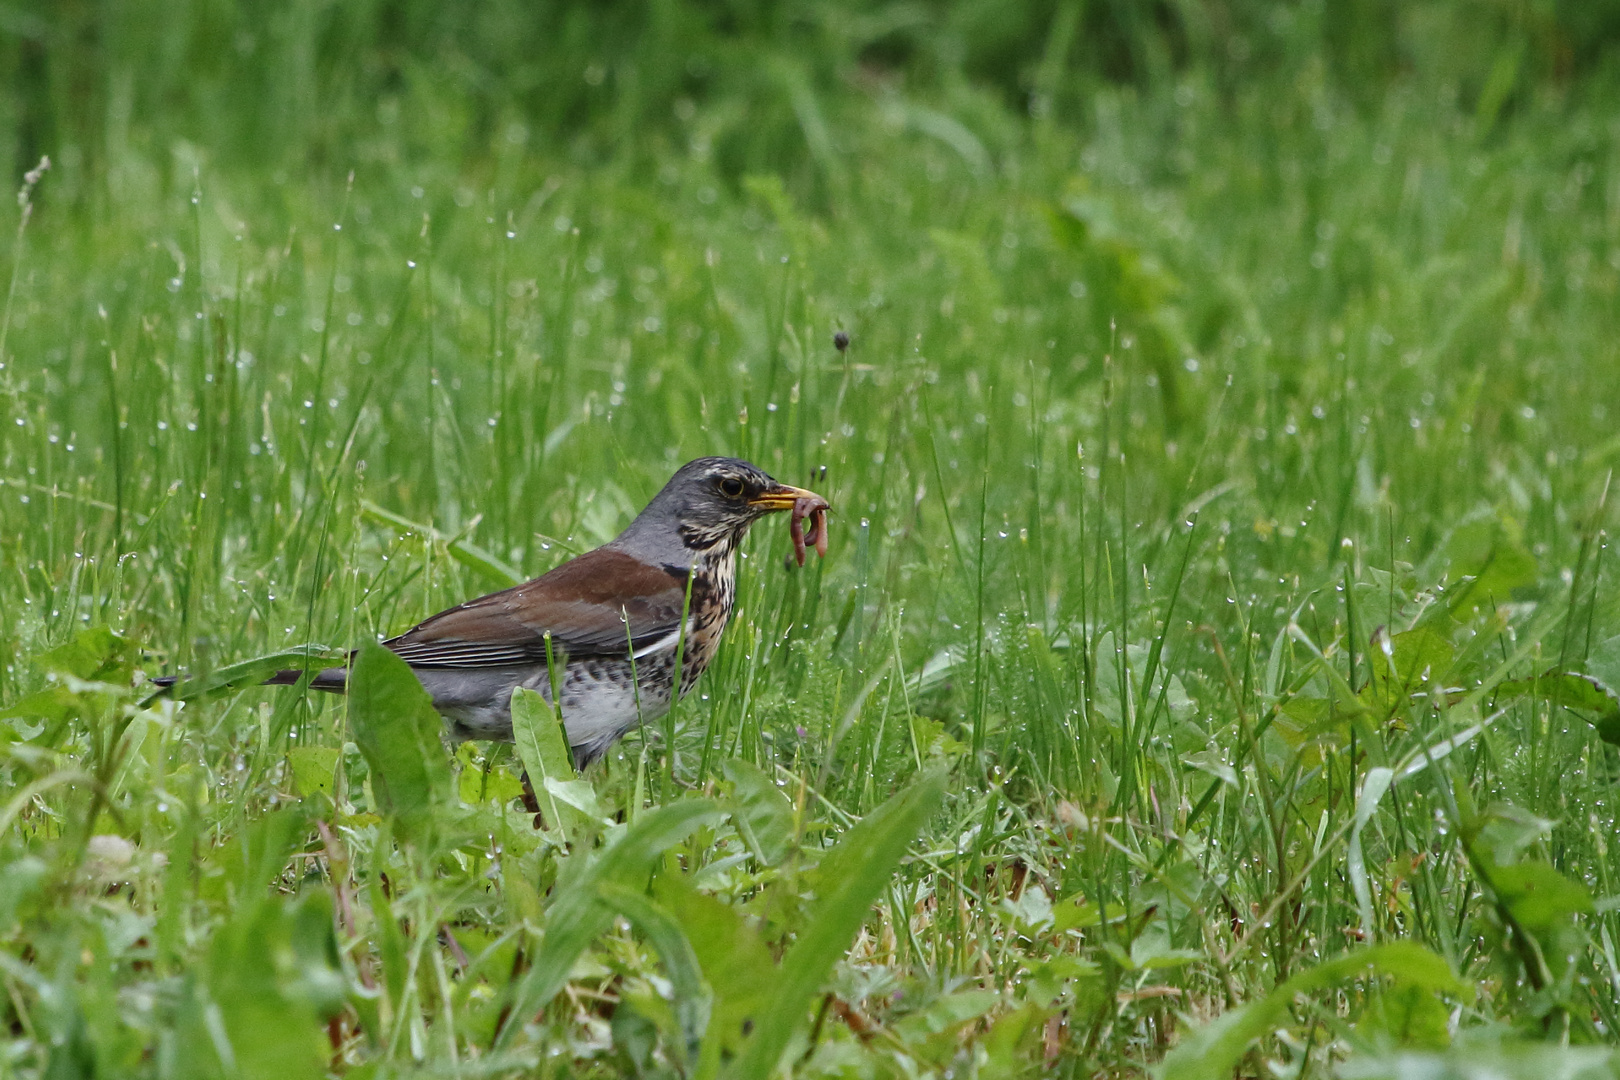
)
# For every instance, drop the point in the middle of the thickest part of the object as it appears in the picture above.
(613, 615)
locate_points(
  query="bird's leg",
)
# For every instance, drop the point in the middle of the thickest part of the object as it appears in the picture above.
(531, 801)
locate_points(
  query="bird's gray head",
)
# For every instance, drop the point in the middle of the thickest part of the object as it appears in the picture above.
(707, 506)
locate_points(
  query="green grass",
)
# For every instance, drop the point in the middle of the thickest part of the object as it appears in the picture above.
(1221, 472)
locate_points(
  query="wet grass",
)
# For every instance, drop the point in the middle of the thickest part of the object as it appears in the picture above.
(1221, 490)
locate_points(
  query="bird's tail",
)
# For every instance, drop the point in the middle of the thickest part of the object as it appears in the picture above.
(334, 680)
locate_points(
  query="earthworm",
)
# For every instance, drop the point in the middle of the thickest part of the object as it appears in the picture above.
(814, 508)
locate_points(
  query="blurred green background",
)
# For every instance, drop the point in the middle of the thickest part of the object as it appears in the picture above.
(328, 86)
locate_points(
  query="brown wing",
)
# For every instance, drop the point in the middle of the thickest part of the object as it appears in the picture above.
(585, 604)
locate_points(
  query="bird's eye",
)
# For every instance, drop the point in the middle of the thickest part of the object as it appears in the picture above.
(731, 487)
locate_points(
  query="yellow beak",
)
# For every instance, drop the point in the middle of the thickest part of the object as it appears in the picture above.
(783, 497)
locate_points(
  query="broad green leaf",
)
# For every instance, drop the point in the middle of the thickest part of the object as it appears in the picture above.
(1213, 1051)
(734, 959)
(476, 786)
(1151, 951)
(1406, 1014)
(848, 882)
(1030, 914)
(1048, 979)
(1412, 662)
(761, 812)
(577, 915)
(20, 881)
(1490, 552)
(692, 997)
(270, 1032)
(1540, 898)
(481, 777)
(261, 851)
(269, 1002)
(94, 662)
(543, 735)
(1076, 912)
(318, 963)
(946, 1012)
(1604, 661)
(543, 749)
(95, 653)
(1573, 691)
(314, 768)
(635, 1033)
(1505, 831)
(1006, 1042)
(54, 703)
(1214, 763)
(933, 741)
(580, 796)
(398, 732)
(1423, 654)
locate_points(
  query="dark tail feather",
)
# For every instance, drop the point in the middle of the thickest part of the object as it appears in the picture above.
(334, 680)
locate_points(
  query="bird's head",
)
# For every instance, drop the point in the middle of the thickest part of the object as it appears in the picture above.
(708, 505)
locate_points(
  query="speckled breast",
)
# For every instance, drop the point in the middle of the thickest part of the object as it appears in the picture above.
(714, 590)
